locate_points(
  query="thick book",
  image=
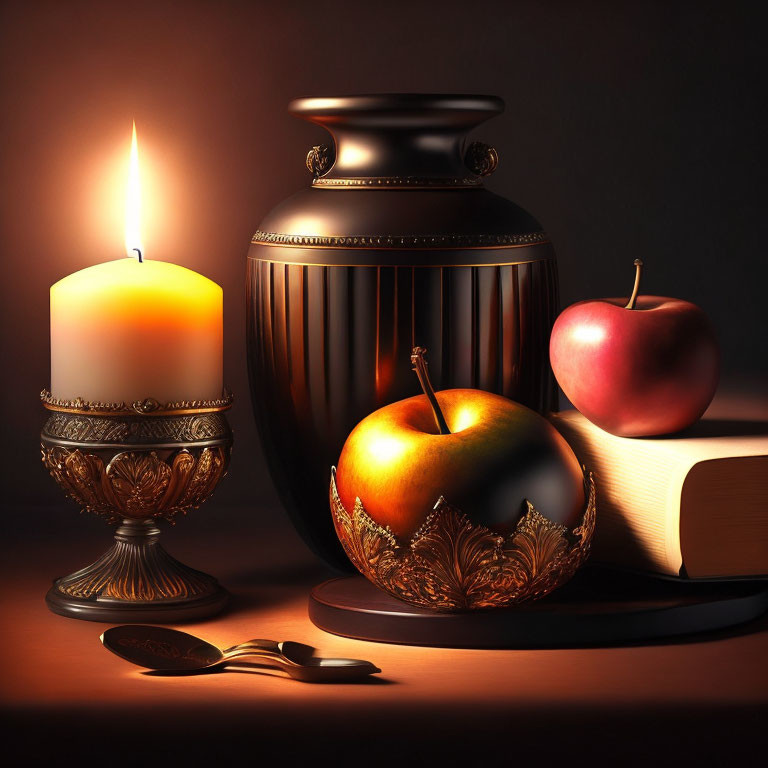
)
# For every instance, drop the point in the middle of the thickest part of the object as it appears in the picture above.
(693, 505)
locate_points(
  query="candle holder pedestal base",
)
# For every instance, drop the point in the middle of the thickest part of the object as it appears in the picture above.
(136, 580)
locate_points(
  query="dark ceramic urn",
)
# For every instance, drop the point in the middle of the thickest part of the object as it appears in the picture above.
(395, 243)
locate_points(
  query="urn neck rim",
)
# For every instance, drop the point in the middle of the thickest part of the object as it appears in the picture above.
(445, 108)
(398, 135)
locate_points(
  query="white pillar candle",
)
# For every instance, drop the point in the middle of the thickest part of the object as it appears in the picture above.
(133, 329)
(127, 330)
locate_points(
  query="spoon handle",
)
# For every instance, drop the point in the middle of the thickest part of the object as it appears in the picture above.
(256, 654)
(268, 646)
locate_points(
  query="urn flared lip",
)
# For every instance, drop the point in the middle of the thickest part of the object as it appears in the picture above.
(312, 107)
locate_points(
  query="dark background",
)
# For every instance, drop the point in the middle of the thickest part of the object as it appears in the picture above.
(631, 130)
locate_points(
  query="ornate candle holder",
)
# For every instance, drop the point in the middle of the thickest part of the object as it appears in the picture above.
(136, 463)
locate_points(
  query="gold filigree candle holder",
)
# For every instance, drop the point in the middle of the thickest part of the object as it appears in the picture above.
(451, 564)
(134, 463)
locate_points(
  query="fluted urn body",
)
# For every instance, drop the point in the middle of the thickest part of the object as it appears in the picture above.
(396, 243)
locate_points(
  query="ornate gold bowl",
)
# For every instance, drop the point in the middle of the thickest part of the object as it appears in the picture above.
(451, 564)
(136, 463)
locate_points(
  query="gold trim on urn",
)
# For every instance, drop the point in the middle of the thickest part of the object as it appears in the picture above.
(396, 182)
(451, 564)
(400, 242)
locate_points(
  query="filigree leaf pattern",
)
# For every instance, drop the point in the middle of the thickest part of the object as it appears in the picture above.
(80, 476)
(453, 558)
(370, 547)
(137, 484)
(205, 474)
(139, 481)
(181, 471)
(451, 564)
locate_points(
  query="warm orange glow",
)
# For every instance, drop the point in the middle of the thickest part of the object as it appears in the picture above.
(133, 242)
(354, 155)
(123, 331)
(384, 448)
(170, 216)
(465, 418)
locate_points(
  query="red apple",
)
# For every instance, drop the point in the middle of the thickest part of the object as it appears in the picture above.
(645, 367)
(484, 453)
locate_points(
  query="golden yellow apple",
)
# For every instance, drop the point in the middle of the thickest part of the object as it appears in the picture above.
(494, 454)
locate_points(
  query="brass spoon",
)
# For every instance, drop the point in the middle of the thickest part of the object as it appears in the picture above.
(167, 649)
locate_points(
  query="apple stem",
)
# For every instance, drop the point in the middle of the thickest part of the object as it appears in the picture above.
(419, 363)
(638, 272)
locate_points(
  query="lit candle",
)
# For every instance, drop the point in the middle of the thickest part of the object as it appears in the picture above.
(136, 328)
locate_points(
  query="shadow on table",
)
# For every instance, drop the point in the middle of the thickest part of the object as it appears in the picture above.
(254, 668)
(719, 428)
(754, 626)
(273, 585)
(760, 624)
(281, 575)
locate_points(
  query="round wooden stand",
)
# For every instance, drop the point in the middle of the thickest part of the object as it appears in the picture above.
(597, 607)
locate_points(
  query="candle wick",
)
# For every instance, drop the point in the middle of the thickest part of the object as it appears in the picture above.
(141, 258)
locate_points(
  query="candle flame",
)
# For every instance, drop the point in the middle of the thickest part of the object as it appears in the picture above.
(133, 244)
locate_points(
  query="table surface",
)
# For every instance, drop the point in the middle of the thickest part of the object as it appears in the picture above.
(702, 692)
(700, 697)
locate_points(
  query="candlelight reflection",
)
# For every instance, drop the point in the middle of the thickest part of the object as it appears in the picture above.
(385, 448)
(592, 334)
(465, 417)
